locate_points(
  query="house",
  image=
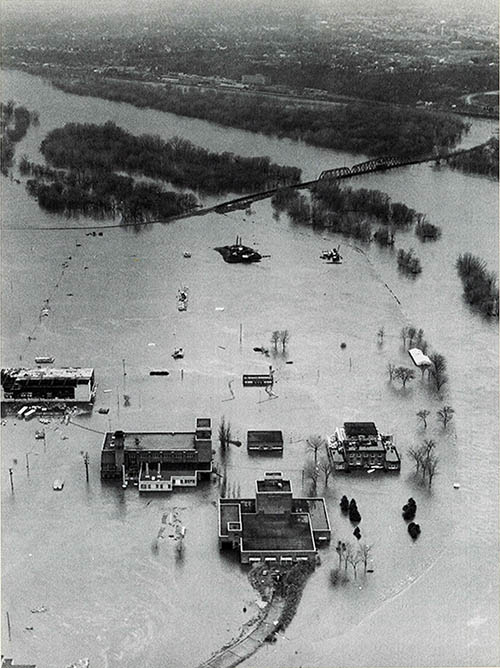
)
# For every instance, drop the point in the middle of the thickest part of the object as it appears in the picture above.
(359, 445)
(7, 663)
(274, 527)
(159, 461)
(265, 441)
(67, 384)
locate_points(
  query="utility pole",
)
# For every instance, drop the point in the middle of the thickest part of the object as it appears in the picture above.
(27, 464)
(8, 625)
(11, 480)
(86, 462)
(241, 333)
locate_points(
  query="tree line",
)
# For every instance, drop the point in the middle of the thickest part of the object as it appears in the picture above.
(108, 147)
(480, 285)
(374, 130)
(481, 160)
(101, 194)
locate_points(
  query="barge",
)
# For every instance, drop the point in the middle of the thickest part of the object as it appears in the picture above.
(239, 253)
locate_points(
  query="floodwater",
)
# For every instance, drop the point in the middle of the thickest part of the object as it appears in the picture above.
(116, 593)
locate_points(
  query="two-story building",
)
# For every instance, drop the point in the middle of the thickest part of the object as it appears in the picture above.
(274, 527)
(159, 461)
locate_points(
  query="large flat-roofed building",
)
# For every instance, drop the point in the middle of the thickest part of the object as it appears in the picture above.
(161, 460)
(359, 445)
(66, 384)
(274, 527)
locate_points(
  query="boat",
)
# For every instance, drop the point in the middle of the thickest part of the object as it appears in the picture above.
(58, 485)
(182, 299)
(103, 411)
(44, 359)
(239, 253)
(159, 372)
(187, 254)
(333, 256)
(178, 354)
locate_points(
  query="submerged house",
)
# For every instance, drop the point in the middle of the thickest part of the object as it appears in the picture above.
(67, 384)
(359, 445)
(265, 442)
(274, 527)
(159, 461)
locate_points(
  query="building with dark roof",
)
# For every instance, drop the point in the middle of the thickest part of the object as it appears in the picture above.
(159, 461)
(274, 527)
(265, 441)
(359, 445)
(7, 663)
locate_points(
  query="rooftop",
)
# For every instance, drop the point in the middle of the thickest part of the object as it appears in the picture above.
(277, 532)
(229, 512)
(153, 440)
(317, 511)
(360, 429)
(256, 437)
(62, 372)
(273, 485)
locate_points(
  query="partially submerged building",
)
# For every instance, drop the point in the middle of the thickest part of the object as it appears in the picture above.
(66, 384)
(265, 442)
(359, 445)
(161, 460)
(274, 527)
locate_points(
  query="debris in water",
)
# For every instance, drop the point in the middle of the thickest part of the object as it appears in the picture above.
(41, 608)
(219, 308)
(456, 485)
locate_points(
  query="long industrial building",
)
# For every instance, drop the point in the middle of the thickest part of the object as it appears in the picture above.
(67, 384)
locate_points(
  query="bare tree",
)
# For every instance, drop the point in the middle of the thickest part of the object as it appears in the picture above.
(390, 369)
(314, 443)
(340, 550)
(364, 551)
(353, 557)
(427, 450)
(275, 338)
(445, 414)
(423, 415)
(224, 433)
(325, 467)
(404, 335)
(284, 338)
(404, 374)
(432, 464)
(380, 335)
(417, 455)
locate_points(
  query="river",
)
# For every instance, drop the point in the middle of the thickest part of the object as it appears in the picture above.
(88, 554)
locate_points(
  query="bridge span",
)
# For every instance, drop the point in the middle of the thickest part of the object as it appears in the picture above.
(373, 165)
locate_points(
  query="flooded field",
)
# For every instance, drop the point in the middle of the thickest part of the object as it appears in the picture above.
(90, 554)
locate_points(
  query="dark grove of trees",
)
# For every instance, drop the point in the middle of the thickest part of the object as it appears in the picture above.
(480, 285)
(14, 123)
(481, 160)
(425, 230)
(100, 193)
(108, 147)
(374, 130)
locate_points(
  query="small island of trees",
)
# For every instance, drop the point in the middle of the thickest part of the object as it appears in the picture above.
(480, 285)
(14, 123)
(480, 160)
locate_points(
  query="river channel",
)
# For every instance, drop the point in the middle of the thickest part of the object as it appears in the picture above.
(90, 555)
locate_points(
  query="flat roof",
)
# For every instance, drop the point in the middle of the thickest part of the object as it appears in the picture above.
(154, 440)
(61, 372)
(274, 485)
(360, 429)
(316, 508)
(229, 512)
(277, 532)
(264, 437)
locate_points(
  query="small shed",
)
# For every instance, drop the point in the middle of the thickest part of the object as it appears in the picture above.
(418, 357)
(265, 441)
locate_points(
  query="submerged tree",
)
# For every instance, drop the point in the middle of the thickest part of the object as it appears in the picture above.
(423, 415)
(314, 444)
(445, 414)
(404, 374)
